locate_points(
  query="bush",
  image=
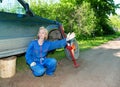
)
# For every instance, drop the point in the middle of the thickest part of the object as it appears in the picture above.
(85, 20)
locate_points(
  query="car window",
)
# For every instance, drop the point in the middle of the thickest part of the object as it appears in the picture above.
(11, 6)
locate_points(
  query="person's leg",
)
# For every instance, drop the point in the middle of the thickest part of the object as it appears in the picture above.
(38, 70)
(50, 64)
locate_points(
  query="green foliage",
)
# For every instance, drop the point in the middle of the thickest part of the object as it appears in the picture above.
(61, 12)
(41, 9)
(2, 10)
(85, 17)
(85, 20)
(107, 29)
(115, 22)
(102, 9)
(66, 13)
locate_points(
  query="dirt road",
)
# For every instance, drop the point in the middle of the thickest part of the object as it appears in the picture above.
(99, 67)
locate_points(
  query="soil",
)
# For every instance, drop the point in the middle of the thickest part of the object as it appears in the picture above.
(99, 67)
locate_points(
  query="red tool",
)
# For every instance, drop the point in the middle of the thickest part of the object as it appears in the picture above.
(71, 48)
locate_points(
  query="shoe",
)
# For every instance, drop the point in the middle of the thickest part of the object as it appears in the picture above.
(51, 74)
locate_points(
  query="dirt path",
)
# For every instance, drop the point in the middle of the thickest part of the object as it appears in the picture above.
(99, 67)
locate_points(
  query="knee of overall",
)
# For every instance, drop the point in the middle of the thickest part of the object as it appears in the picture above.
(53, 62)
(38, 70)
(38, 73)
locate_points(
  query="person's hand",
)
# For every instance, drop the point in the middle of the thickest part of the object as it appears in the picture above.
(33, 64)
(70, 36)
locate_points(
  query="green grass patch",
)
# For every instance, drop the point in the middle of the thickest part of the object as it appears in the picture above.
(21, 63)
(88, 43)
(58, 54)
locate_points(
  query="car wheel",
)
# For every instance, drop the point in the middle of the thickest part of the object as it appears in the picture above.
(75, 51)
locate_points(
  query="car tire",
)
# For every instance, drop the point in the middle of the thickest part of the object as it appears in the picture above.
(76, 51)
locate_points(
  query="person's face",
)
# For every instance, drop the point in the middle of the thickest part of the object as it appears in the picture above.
(41, 34)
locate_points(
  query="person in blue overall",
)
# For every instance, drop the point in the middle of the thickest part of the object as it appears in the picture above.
(38, 49)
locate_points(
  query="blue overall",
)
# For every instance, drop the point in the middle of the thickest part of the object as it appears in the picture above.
(37, 53)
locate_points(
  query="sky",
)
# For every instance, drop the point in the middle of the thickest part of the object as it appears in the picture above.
(118, 10)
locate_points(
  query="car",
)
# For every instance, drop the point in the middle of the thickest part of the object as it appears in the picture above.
(19, 27)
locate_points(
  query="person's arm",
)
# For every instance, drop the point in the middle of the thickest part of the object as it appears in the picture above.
(28, 55)
(57, 44)
(61, 43)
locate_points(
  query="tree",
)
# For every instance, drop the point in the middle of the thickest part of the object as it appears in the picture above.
(115, 22)
(86, 21)
(102, 9)
(85, 17)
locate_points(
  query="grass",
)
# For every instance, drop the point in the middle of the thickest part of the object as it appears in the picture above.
(21, 63)
(92, 42)
(59, 54)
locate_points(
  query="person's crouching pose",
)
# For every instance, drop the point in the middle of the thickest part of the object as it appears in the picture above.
(38, 49)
